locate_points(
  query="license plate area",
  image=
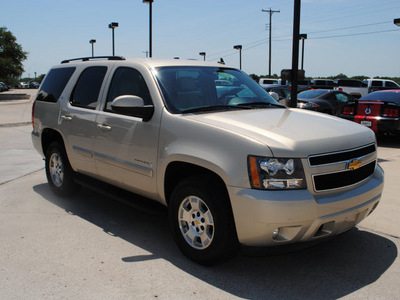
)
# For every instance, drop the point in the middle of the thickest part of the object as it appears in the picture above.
(366, 123)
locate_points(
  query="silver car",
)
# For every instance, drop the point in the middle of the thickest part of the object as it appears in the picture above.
(232, 164)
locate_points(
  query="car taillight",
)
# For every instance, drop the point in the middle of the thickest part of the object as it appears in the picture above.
(348, 110)
(340, 89)
(391, 112)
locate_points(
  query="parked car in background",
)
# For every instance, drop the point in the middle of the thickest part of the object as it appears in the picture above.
(355, 88)
(23, 85)
(269, 81)
(378, 111)
(322, 84)
(282, 91)
(325, 101)
(303, 85)
(3, 87)
(374, 84)
(33, 85)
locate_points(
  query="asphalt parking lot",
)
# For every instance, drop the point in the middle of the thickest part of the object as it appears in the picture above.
(91, 247)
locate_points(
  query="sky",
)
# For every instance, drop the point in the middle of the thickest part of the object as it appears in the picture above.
(353, 37)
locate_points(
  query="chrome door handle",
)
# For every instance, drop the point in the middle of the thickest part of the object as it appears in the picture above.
(104, 126)
(66, 118)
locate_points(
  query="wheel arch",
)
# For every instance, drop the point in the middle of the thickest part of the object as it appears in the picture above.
(49, 136)
(178, 170)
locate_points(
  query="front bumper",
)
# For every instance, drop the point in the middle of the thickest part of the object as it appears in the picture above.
(271, 218)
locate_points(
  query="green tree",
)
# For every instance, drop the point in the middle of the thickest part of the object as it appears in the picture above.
(11, 57)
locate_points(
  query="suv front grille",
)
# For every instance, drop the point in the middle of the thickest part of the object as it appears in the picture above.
(334, 168)
(341, 156)
(342, 179)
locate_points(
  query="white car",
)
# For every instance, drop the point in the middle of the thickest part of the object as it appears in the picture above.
(23, 85)
(375, 84)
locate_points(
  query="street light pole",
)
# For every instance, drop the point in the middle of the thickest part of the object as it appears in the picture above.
(113, 25)
(239, 47)
(92, 42)
(150, 26)
(303, 37)
(203, 54)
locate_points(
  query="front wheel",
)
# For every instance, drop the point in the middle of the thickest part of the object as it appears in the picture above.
(59, 172)
(201, 221)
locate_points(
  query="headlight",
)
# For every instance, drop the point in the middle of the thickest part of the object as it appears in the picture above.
(276, 173)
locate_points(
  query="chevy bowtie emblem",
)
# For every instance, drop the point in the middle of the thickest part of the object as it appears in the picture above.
(354, 164)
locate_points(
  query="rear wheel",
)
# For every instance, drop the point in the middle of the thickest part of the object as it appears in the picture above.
(201, 221)
(59, 172)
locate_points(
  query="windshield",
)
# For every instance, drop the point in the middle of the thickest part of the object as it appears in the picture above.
(311, 94)
(190, 89)
(383, 96)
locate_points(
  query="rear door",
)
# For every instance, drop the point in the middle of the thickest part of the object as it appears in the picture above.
(78, 116)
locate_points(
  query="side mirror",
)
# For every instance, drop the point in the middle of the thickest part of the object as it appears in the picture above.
(132, 106)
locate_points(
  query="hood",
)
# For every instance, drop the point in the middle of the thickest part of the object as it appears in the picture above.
(291, 132)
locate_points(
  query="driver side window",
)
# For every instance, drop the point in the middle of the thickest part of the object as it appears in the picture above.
(127, 81)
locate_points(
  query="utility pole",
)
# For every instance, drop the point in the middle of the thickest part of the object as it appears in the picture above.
(270, 29)
(295, 52)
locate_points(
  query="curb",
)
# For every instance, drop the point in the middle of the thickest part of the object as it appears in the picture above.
(15, 124)
(8, 97)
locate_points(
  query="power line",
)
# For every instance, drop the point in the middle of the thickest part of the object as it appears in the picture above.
(259, 43)
(352, 34)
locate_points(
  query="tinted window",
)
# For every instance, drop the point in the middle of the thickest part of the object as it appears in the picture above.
(351, 83)
(87, 89)
(383, 96)
(376, 83)
(270, 81)
(342, 97)
(311, 94)
(54, 84)
(391, 84)
(127, 81)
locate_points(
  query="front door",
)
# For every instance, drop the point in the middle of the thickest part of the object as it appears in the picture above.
(125, 146)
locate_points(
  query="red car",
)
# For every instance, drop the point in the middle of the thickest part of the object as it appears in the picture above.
(378, 111)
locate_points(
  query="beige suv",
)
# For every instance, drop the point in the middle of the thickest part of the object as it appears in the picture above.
(232, 164)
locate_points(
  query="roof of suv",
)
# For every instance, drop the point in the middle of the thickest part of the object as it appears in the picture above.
(150, 62)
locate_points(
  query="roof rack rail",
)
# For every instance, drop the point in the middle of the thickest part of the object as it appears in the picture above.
(93, 57)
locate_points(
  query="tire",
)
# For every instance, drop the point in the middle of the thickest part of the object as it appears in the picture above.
(201, 221)
(59, 173)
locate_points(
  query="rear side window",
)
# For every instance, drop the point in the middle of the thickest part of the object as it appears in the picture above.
(391, 85)
(87, 89)
(376, 83)
(350, 83)
(54, 84)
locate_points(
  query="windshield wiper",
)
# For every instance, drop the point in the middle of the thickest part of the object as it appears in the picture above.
(249, 105)
(212, 108)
